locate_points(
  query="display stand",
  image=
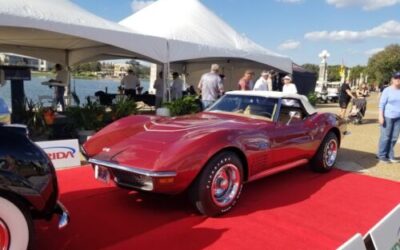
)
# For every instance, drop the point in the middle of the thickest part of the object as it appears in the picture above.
(17, 75)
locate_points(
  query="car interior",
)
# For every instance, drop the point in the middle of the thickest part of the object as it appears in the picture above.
(288, 108)
(248, 106)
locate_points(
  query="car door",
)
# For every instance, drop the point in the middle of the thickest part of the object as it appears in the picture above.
(291, 137)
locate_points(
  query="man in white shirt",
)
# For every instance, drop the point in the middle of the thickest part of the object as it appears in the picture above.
(264, 83)
(130, 82)
(62, 78)
(176, 87)
(211, 86)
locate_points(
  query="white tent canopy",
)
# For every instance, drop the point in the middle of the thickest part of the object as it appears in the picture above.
(61, 32)
(196, 33)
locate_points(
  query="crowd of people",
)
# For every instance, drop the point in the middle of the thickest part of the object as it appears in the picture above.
(211, 85)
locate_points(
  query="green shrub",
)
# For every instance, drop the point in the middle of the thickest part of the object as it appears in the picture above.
(123, 107)
(312, 98)
(184, 106)
(88, 117)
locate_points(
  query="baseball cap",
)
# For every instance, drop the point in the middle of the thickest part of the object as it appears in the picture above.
(396, 75)
(287, 78)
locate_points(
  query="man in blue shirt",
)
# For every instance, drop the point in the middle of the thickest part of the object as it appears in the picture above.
(389, 119)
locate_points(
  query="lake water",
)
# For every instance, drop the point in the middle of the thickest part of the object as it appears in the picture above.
(34, 88)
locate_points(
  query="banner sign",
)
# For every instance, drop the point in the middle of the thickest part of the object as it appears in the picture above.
(63, 154)
(386, 234)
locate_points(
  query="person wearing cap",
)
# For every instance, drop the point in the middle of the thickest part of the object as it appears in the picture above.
(389, 120)
(264, 83)
(288, 86)
(246, 81)
(211, 86)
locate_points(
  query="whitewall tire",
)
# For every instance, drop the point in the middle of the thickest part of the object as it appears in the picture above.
(18, 224)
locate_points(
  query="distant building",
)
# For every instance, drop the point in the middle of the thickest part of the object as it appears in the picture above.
(45, 65)
(34, 63)
(120, 69)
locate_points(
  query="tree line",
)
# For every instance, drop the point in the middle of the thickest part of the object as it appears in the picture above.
(379, 69)
(94, 67)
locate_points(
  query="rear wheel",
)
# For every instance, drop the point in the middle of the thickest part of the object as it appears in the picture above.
(218, 187)
(15, 226)
(325, 158)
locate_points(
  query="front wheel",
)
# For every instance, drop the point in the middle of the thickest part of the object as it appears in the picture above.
(218, 187)
(325, 158)
(15, 226)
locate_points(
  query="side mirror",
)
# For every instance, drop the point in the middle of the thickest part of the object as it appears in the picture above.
(293, 115)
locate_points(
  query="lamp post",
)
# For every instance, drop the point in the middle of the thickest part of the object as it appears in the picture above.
(323, 68)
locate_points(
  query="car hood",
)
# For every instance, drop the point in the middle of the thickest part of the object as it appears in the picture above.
(141, 141)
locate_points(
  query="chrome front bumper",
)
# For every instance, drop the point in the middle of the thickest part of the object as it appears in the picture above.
(132, 169)
(131, 177)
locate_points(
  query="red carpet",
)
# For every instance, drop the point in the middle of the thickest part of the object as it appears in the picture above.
(297, 209)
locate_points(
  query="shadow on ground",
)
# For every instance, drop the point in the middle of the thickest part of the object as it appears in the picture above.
(354, 160)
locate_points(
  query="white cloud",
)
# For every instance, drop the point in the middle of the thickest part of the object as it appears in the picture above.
(137, 5)
(385, 30)
(289, 44)
(289, 1)
(373, 51)
(365, 4)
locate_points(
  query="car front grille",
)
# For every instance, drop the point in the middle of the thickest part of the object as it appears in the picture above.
(127, 179)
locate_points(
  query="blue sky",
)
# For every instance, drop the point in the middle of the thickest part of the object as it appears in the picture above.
(349, 29)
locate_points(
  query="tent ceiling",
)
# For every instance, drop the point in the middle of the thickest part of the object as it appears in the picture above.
(197, 32)
(42, 38)
(62, 32)
(52, 46)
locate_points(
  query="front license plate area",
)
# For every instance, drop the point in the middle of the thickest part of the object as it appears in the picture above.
(101, 173)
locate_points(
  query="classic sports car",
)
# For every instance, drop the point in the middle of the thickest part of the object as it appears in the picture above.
(28, 188)
(242, 137)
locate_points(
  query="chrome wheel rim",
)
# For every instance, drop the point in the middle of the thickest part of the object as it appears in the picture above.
(4, 236)
(330, 155)
(225, 185)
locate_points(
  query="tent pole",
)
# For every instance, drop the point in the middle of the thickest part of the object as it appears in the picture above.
(68, 68)
(167, 89)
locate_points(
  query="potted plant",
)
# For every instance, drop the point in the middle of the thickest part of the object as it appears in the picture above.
(184, 106)
(123, 107)
(86, 119)
(48, 115)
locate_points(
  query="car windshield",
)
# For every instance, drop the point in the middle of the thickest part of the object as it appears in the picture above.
(246, 105)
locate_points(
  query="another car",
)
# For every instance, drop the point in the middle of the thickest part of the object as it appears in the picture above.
(28, 188)
(333, 91)
(321, 92)
(244, 136)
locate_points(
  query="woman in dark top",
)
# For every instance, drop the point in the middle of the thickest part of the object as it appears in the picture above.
(344, 98)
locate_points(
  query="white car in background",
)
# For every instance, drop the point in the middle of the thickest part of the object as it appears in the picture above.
(333, 91)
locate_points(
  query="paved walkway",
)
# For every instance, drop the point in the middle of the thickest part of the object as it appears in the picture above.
(358, 149)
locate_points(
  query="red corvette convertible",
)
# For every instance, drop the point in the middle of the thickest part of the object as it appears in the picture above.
(244, 136)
